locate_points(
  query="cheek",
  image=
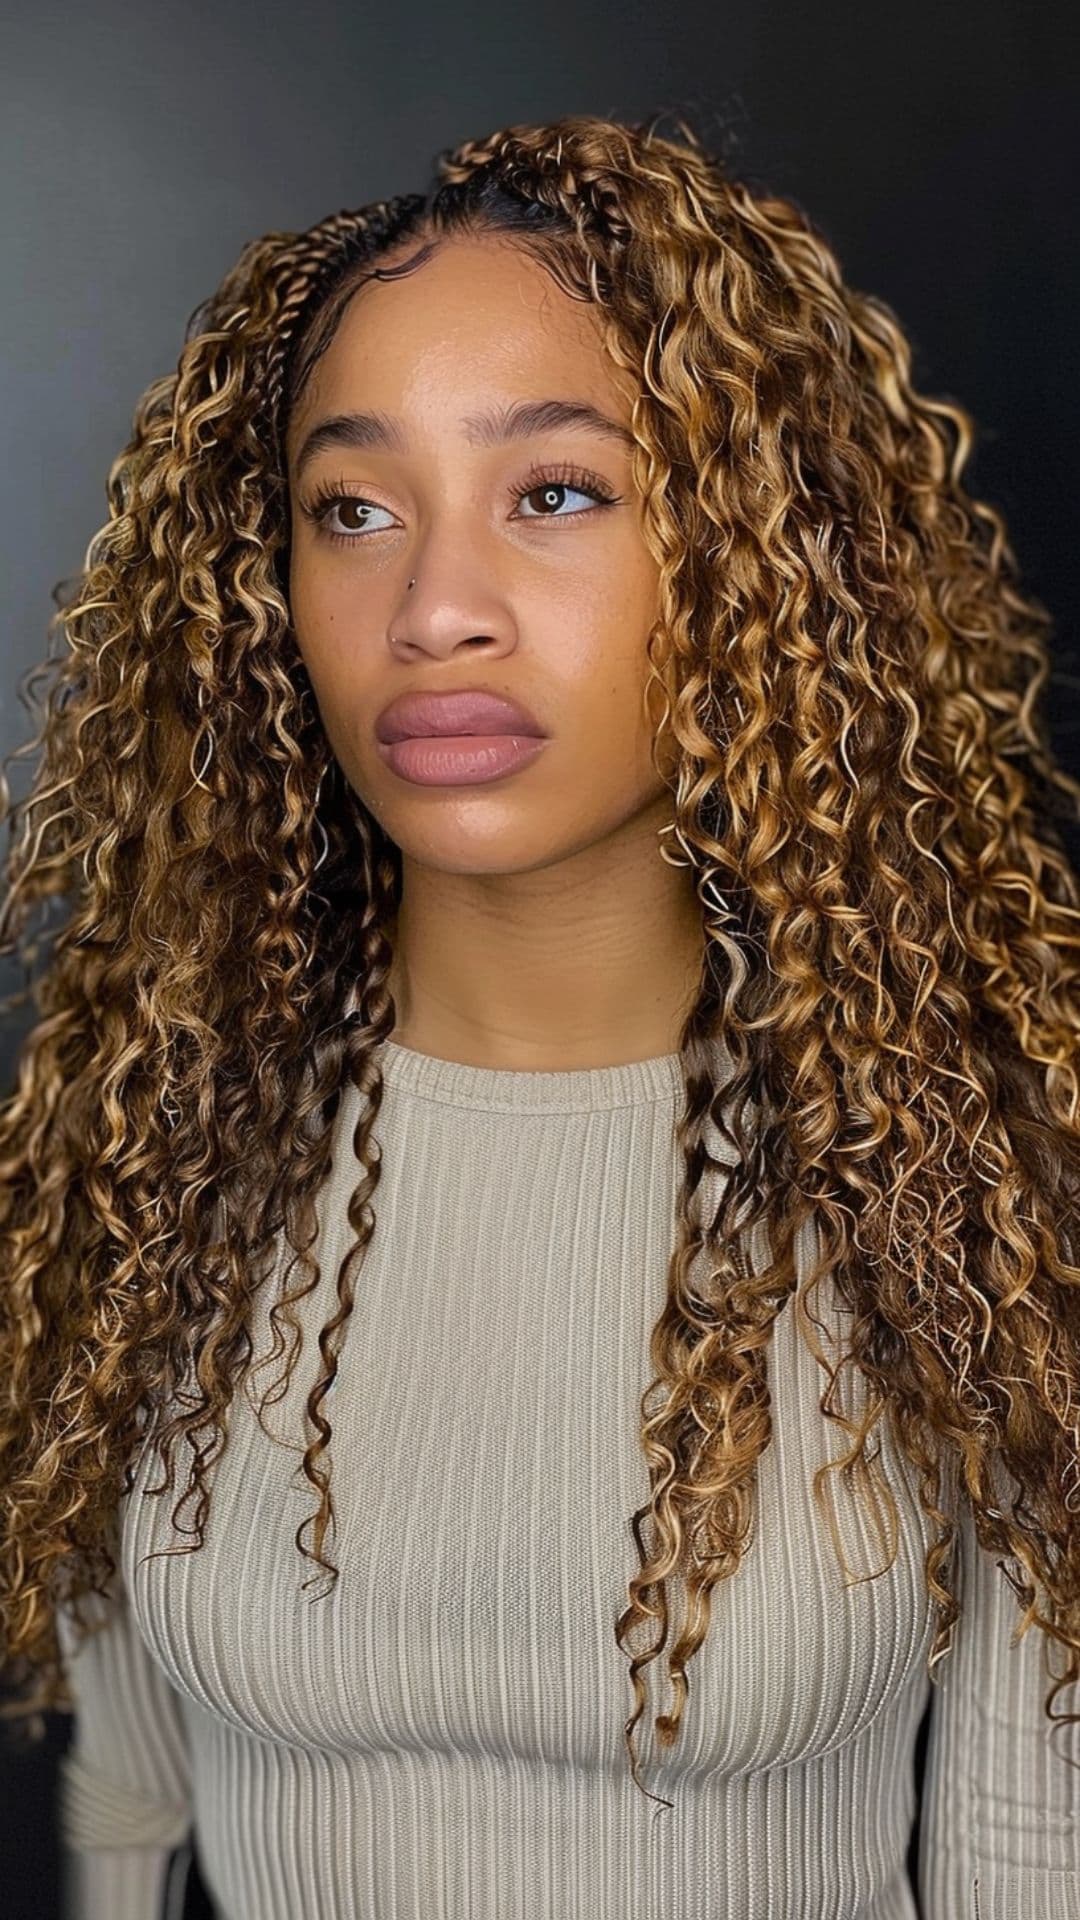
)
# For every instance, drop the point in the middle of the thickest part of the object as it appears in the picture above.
(324, 623)
(605, 632)
(626, 608)
(311, 599)
(614, 590)
(609, 731)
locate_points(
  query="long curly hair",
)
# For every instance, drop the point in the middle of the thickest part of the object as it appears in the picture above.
(863, 798)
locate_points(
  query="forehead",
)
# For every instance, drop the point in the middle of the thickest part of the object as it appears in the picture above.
(479, 319)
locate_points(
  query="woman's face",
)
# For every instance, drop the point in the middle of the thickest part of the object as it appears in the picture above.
(526, 585)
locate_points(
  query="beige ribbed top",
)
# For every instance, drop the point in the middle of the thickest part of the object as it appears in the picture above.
(440, 1737)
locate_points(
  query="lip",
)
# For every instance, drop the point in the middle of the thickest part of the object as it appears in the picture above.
(468, 710)
(460, 760)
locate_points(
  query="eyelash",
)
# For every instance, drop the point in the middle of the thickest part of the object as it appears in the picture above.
(579, 479)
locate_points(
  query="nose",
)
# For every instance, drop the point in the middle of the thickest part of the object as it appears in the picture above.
(453, 607)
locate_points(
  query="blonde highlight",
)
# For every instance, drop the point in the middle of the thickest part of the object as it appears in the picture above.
(847, 674)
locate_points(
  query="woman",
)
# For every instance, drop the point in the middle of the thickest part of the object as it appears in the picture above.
(592, 462)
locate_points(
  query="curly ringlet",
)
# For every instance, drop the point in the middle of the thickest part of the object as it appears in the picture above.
(849, 674)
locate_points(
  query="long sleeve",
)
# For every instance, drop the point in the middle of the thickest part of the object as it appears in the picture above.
(124, 1783)
(1000, 1831)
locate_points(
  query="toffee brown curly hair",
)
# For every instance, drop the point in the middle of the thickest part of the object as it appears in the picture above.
(863, 798)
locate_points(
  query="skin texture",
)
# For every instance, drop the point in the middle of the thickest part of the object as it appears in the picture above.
(539, 927)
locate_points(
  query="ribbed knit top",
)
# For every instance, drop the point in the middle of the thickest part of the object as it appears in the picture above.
(439, 1735)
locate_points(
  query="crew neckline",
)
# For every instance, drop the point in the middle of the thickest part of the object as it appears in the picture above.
(526, 1089)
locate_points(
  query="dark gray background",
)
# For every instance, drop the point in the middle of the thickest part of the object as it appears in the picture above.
(140, 148)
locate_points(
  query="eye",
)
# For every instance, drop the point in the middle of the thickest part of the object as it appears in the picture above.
(318, 509)
(551, 485)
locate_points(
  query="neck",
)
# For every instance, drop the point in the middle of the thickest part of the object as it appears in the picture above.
(546, 970)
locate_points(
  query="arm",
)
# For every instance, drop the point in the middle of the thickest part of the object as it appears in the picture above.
(1000, 1830)
(124, 1783)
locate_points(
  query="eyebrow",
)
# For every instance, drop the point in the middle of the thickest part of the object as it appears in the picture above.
(490, 429)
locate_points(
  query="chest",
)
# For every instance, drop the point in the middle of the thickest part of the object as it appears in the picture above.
(485, 1467)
